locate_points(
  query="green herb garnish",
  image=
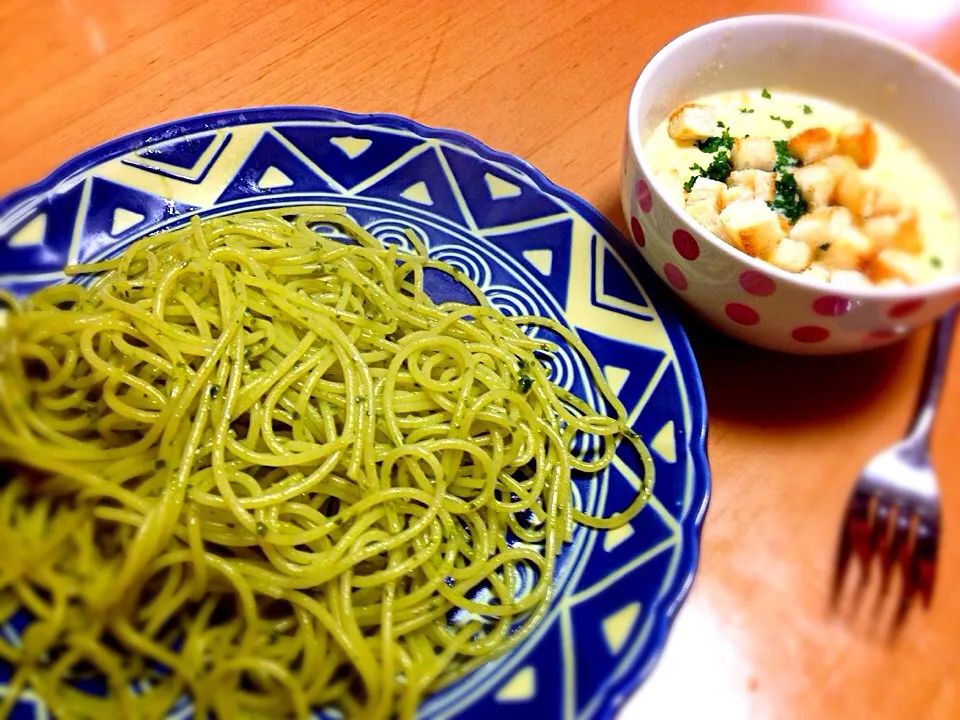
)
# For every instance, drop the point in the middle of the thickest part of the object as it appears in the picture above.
(720, 124)
(713, 144)
(765, 94)
(521, 364)
(718, 169)
(807, 109)
(261, 529)
(214, 390)
(295, 414)
(936, 262)
(524, 383)
(787, 199)
(784, 158)
(160, 464)
(786, 123)
(746, 111)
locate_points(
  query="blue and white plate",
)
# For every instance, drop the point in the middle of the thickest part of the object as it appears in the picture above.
(531, 247)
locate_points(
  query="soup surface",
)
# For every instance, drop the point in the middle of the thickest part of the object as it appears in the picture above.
(808, 185)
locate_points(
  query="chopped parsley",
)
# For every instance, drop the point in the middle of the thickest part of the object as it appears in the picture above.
(786, 199)
(765, 94)
(720, 124)
(295, 414)
(747, 111)
(936, 262)
(160, 464)
(524, 383)
(807, 109)
(214, 390)
(521, 364)
(713, 144)
(261, 529)
(718, 169)
(784, 158)
(786, 123)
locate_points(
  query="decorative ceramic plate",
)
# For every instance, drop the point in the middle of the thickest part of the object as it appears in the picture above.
(532, 248)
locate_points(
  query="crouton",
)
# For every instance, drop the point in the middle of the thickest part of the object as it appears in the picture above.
(899, 231)
(760, 183)
(753, 153)
(812, 145)
(858, 141)
(708, 217)
(817, 184)
(817, 271)
(849, 250)
(821, 226)
(752, 226)
(851, 279)
(893, 264)
(850, 188)
(671, 185)
(784, 224)
(706, 191)
(737, 193)
(879, 201)
(791, 255)
(691, 122)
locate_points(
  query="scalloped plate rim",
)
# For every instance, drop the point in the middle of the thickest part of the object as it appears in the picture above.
(664, 611)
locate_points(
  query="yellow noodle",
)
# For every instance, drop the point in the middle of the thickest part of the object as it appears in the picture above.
(264, 460)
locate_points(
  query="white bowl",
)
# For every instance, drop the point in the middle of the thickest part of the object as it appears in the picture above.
(740, 295)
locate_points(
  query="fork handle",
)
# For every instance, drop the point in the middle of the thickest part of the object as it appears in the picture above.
(933, 375)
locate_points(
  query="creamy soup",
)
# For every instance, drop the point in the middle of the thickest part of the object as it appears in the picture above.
(809, 186)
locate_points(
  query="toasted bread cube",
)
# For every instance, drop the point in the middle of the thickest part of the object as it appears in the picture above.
(858, 141)
(784, 224)
(896, 265)
(879, 201)
(692, 121)
(817, 271)
(753, 153)
(821, 226)
(708, 217)
(850, 188)
(851, 279)
(791, 255)
(752, 226)
(737, 193)
(760, 183)
(849, 250)
(899, 231)
(671, 185)
(817, 184)
(812, 145)
(706, 191)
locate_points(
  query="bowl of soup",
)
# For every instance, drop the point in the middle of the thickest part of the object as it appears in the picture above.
(794, 181)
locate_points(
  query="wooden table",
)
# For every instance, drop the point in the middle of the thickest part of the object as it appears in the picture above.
(549, 81)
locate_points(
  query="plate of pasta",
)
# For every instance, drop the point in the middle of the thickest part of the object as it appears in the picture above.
(312, 414)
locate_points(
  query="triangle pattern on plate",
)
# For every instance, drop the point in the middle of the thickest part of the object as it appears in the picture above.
(419, 183)
(269, 153)
(484, 189)
(607, 624)
(552, 238)
(183, 154)
(126, 209)
(614, 287)
(52, 252)
(349, 155)
(188, 159)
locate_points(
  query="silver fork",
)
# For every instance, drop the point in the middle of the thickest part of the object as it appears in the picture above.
(894, 509)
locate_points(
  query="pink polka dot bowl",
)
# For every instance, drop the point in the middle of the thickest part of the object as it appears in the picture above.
(745, 297)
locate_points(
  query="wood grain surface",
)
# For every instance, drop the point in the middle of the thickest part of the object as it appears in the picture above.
(549, 81)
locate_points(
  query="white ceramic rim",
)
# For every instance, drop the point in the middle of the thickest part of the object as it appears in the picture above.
(665, 55)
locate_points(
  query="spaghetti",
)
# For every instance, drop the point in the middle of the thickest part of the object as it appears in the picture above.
(254, 463)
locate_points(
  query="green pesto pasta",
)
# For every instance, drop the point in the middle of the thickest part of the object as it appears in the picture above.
(254, 463)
